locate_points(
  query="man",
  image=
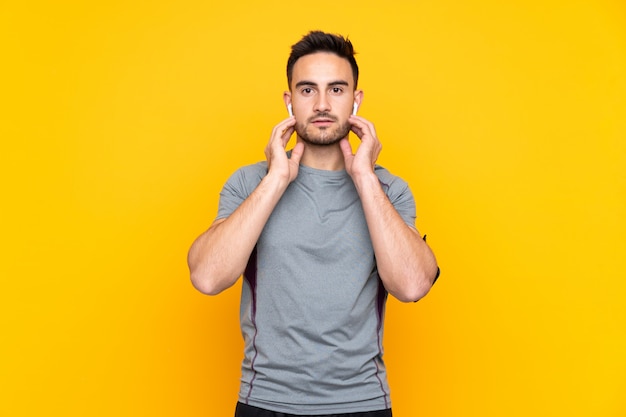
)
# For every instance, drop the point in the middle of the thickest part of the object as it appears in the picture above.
(321, 236)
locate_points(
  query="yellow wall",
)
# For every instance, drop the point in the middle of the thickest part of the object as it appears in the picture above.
(119, 122)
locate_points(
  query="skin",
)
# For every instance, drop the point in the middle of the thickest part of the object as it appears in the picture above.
(322, 95)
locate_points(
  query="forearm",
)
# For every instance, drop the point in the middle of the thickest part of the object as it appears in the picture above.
(219, 256)
(405, 263)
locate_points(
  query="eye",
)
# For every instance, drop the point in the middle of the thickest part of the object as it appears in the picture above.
(336, 90)
(307, 91)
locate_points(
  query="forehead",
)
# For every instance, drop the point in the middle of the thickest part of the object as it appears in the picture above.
(322, 68)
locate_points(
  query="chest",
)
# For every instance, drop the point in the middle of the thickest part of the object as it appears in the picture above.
(324, 221)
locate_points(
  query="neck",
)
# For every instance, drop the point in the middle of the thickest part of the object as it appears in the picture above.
(326, 157)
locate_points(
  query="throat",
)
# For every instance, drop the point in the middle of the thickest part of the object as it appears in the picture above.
(324, 157)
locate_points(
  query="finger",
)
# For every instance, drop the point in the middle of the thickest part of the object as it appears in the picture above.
(281, 127)
(282, 132)
(364, 126)
(285, 130)
(286, 135)
(296, 152)
(346, 148)
(363, 121)
(358, 127)
(357, 131)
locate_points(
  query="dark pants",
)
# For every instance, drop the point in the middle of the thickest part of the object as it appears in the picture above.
(244, 410)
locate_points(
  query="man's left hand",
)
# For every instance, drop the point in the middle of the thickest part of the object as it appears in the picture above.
(362, 162)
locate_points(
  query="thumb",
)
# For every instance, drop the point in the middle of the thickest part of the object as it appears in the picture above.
(296, 152)
(346, 148)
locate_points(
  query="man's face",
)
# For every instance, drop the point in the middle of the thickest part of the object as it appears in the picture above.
(322, 95)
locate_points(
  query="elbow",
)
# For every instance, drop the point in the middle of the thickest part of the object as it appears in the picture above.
(202, 276)
(414, 293)
(203, 284)
(417, 288)
(206, 281)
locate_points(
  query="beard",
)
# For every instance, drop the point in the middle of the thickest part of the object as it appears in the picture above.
(324, 136)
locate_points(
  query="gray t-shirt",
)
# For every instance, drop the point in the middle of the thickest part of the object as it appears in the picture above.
(312, 303)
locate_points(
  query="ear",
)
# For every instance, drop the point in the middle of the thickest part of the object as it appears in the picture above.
(358, 97)
(287, 98)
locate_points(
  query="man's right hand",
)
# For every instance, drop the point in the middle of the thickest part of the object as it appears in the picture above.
(278, 164)
(220, 255)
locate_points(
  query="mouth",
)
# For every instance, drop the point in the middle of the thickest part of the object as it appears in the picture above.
(322, 121)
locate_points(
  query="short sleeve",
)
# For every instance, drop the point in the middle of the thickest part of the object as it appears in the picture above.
(238, 187)
(399, 195)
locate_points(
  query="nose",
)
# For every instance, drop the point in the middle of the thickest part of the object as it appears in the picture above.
(322, 104)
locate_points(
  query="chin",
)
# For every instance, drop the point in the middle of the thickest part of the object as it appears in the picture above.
(324, 137)
(315, 142)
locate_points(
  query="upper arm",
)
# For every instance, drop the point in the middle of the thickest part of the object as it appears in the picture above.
(238, 187)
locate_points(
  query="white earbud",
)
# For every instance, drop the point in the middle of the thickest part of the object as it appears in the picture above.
(289, 109)
(355, 108)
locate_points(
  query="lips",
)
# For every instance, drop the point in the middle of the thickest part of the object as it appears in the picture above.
(322, 121)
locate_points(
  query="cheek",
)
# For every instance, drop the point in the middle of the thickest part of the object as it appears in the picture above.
(346, 107)
(300, 126)
(300, 111)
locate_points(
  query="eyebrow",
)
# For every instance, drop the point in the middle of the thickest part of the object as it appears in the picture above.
(313, 84)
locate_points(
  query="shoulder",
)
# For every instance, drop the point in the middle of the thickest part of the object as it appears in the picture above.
(256, 169)
(389, 181)
(248, 174)
(244, 180)
(399, 194)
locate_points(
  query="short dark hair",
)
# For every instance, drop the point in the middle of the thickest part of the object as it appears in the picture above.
(318, 41)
